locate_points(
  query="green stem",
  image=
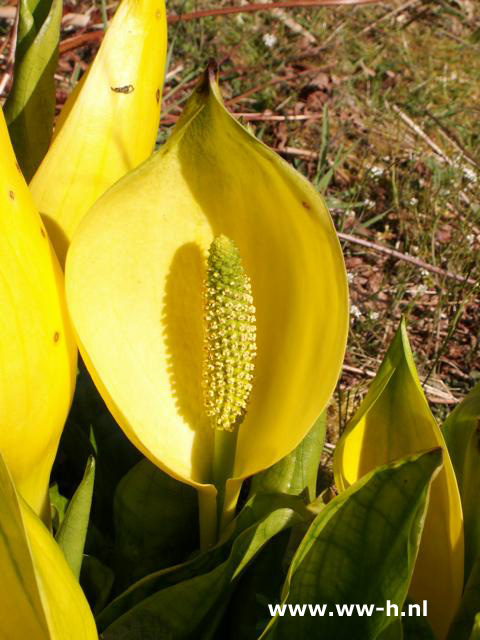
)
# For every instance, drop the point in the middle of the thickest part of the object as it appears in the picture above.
(207, 508)
(223, 459)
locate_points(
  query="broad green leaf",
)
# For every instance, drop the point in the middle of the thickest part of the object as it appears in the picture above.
(97, 582)
(156, 522)
(248, 615)
(393, 421)
(30, 107)
(416, 627)
(40, 598)
(73, 530)
(297, 471)
(257, 509)
(462, 435)
(469, 606)
(360, 549)
(192, 608)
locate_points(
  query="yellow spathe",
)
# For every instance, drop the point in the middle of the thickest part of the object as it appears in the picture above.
(109, 124)
(393, 421)
(135, 288)
(40, 599)
(37, 349)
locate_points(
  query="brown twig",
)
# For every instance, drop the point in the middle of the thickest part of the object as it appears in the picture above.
(406, 258)
(433, 145)
(436, 396)
(262, 117)
(94, 36)
(80, 39)
(249, 8)
(387, 15)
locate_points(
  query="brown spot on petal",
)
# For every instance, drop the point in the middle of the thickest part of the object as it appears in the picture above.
(157, 95)
(42, 231)
(56, 336)
(11, 195)
(128, 88)
(306, 205)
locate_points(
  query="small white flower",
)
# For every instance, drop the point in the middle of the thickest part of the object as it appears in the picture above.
(470, 238)
(355, 311)
(413, 201)
(374, 315)
(424, 272)
(239, 19)
(470, 174)
(269, 40)
(369, 204)
(377, 171)
(350, 277)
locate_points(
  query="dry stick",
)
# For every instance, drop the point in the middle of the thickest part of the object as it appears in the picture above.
(292, 24)
(437, 396)
(83, 38)
(433, 145)
(249, 8)
(390, 14)
(264, 117)
(453, 139)
(406, 258)
(12, 38)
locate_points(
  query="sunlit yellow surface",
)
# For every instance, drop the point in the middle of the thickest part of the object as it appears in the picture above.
(393, 421)
(37, 350)
(109, 124)
(40, 599)
(135, 274)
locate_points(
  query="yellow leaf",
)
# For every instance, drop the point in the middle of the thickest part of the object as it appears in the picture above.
(109, 124)
(37, 349)
(393, 421)
(41, 599)
(135, 288)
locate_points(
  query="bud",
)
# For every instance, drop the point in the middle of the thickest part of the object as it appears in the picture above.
(230, 335)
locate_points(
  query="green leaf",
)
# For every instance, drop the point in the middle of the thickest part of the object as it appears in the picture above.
(91, 430)
(469, 607)
(393, 421)
(73, 530)
(58, 505)
(475, 635)
(287, 509)
(260, 585)
(96, 580)
(297, 471)
(30, 107)
(156, 522)
(416, 627)
(193, 608)
(360, 549)
(462, 434)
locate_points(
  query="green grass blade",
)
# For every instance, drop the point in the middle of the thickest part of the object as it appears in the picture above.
(73, 530)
